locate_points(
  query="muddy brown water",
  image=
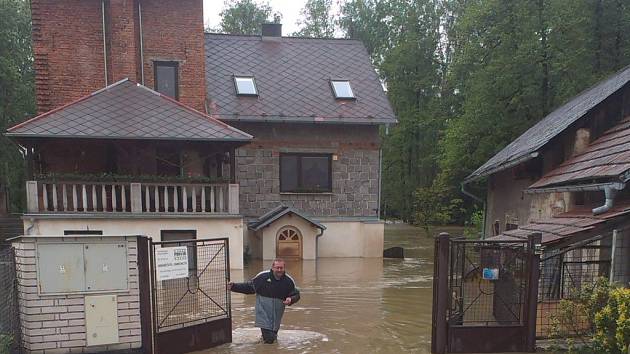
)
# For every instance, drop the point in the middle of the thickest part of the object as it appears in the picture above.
(348, 305)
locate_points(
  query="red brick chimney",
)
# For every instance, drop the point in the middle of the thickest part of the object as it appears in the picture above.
(81, 46)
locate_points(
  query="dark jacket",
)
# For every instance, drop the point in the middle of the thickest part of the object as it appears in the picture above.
(270, 292)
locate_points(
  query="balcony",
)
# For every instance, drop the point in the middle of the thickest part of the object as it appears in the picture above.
(71, 197)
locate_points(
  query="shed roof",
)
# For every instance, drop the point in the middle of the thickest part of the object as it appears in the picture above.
(552, 125)
(293, 78)
(278, 212)
(568, 224)
(126, 110)
(608, 158)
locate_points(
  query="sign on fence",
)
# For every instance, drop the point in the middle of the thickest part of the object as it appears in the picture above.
(171, 262)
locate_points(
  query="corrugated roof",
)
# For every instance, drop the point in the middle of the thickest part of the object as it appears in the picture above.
(607, 157)
(567, 224)
(277, 213)
(126, 110)
(293, 79)
(553, 124)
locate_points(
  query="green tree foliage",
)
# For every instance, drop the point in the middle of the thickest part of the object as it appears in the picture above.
(16, 91)
(466, 77)
(246, 17)
(317, 20)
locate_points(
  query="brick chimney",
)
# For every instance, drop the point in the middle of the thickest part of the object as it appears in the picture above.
(82, 45)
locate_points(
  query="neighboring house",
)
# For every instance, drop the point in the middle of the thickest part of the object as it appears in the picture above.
(568, 161)
(149, 126)
(567, 178)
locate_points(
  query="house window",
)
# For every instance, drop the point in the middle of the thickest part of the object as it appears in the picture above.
(245, 86)
(82, 232)
(305, 173)
(183, 235)
(341, 89)
(166, 78)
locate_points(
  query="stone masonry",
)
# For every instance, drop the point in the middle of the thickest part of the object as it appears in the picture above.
(56, 323)
(355, 172)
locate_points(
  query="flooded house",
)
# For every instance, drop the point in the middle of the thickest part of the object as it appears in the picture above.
(567, 178)
(150, 126)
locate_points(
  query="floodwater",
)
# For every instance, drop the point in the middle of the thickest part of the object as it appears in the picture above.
(348, 305)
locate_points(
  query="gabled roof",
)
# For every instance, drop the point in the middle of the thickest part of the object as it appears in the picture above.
(607, 159)
(276, 214)
(126, 110)
(568, 224)
(527, 145)
(293, 79)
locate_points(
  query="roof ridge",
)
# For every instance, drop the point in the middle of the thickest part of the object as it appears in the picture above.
(257, 36)
(225, 125)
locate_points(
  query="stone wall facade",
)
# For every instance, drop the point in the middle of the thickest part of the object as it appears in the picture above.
(355, 169)
(54, 324)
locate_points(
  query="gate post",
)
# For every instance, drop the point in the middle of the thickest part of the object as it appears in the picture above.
(144, 283)
(533, 243)
(440, 294)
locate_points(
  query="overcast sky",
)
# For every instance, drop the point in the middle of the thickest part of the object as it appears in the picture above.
(290, 10)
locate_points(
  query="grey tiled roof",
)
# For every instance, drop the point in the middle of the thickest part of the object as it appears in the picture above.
(606, 158)
(276, 214)
(126, 110)
(293, 79)
(552, 125)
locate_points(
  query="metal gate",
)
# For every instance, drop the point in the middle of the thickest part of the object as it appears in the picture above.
(483, 296)
(190, 305)
(570, 274)
(10, 335)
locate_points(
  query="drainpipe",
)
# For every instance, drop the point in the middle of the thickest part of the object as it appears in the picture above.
(321, 233)
(141, 43)
(610, 193)
(380, 184)
(104, 41)
(483, 202)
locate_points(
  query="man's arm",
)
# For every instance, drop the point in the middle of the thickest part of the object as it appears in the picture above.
(294, 296)
(243, 288)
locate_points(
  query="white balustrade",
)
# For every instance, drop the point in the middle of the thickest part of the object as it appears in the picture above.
(73, 197)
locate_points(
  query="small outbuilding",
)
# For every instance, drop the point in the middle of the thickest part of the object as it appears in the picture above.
(285, 232)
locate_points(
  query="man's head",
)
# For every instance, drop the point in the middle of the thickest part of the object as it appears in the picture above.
(277, 267)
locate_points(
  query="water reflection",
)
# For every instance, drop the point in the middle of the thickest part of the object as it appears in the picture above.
(349, 305)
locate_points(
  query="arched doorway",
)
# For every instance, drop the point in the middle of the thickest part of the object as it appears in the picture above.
(289, 243)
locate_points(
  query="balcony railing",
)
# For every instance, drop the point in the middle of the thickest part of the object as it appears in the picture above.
(172, 198)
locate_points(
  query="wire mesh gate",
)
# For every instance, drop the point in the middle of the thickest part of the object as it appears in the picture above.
(569, 274)
(10, 334)
(483, 295)
(190, 299)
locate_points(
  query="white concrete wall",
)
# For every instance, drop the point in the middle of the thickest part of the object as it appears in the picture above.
(206, 228)
(340, 239)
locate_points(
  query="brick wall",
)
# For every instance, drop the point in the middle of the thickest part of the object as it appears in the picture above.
(68, 46)
(56, 323)
(173, 31)
(355, 173)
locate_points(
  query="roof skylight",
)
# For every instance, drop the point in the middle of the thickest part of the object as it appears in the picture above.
(342, 89)
(245, 86)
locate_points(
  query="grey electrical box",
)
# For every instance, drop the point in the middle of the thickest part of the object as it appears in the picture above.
(60, 267)
(81, 267)
(105, 266)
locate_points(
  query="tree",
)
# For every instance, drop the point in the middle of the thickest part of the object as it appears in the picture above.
(317, 20)
(246, 17)
(17, 95)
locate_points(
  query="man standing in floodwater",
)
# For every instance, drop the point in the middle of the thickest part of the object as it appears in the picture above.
(274, 290)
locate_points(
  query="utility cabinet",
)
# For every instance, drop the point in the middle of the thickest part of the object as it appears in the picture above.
(101, 320)
(81, 267)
